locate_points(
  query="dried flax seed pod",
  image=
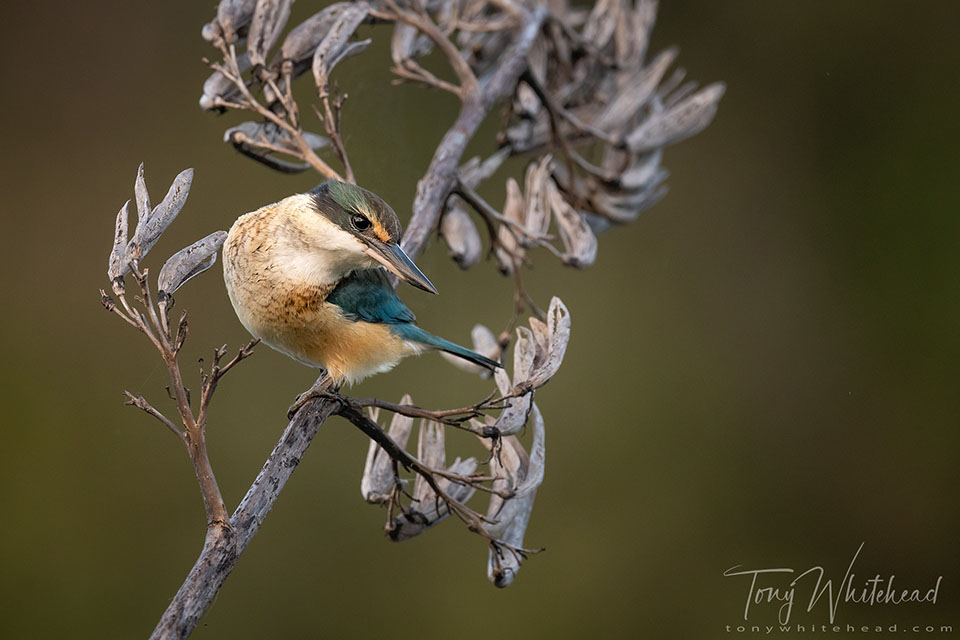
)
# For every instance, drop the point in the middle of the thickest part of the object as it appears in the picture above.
(461, 236)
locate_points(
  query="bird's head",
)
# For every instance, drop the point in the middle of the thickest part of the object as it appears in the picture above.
(347, 227)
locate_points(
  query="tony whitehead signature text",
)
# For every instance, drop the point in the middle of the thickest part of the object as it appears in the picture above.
(872, 591)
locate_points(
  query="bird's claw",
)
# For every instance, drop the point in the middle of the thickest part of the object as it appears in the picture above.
(321, 389)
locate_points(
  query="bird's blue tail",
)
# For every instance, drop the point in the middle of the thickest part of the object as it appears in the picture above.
(412, 332)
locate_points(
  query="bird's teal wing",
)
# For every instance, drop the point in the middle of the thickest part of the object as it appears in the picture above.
(367, 296)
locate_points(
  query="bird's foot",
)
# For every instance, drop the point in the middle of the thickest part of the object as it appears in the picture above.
(322, 388)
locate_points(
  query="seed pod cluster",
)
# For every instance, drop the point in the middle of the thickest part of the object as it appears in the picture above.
(152, 222)
(427, 508)
(597, 88)
(513, 473)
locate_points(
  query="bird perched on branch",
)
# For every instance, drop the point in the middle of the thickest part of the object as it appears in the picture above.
(304, 276)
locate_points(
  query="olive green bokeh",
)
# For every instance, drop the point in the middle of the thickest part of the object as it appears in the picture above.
(763, 368)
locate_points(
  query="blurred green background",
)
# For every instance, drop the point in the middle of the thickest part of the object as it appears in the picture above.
(763, 368)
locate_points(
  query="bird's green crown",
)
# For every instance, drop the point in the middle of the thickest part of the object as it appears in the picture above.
(357, 210)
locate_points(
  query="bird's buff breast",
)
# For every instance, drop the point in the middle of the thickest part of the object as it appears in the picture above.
(295, 319)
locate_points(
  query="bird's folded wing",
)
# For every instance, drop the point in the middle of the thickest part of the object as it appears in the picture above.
(366, 295)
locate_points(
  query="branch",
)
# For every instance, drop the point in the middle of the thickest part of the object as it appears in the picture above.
(441, 177)
(450, 417)
(422, 22)
(140, 402)
(471, 518)
(224, 544)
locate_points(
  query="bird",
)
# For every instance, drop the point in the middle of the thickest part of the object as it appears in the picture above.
(306, 275)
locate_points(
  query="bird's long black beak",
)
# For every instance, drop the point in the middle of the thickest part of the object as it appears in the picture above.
(395, 260)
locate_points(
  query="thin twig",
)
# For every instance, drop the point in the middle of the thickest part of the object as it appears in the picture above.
(141, 403)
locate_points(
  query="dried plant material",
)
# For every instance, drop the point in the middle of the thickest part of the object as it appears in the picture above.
(153, 222)
(484, 343)
(507, 250)
(176, 197)
(268, 21)
(220, 87)
(408, 43)
(378, 479)
(536, 215)
(521, 475)
(527, 103)
(150, 316)
(189, 262)
(670, 99)
(644, 172)
(475, 171)
(303, 39)
(119, 263)
(641, 22)
(512, 419)
(482, 49)
(625, 206)
(232, 15)
(427, 508)
(537, 357)
(336, 44)
(434, 510)
(684, 119)
(579, 241)
(538, 59)
(212, 33)
(636, 92)
(461, 236)
(142, 196)
(268, 134)
(551, 339)
(576, 86)
(602, 22)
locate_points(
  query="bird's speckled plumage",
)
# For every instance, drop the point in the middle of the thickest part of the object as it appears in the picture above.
(304, 276)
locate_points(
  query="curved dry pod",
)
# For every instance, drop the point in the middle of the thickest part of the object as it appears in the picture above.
(218, 85)
(268, 21)
(336, 44)
(684, 119)
(461, 236)
(232, 15)
(154, 221)
(189, 262)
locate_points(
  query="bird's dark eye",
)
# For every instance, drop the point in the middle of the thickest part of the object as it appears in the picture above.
(360, 223)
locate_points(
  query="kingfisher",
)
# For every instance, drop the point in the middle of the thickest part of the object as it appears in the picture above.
(304, 276)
